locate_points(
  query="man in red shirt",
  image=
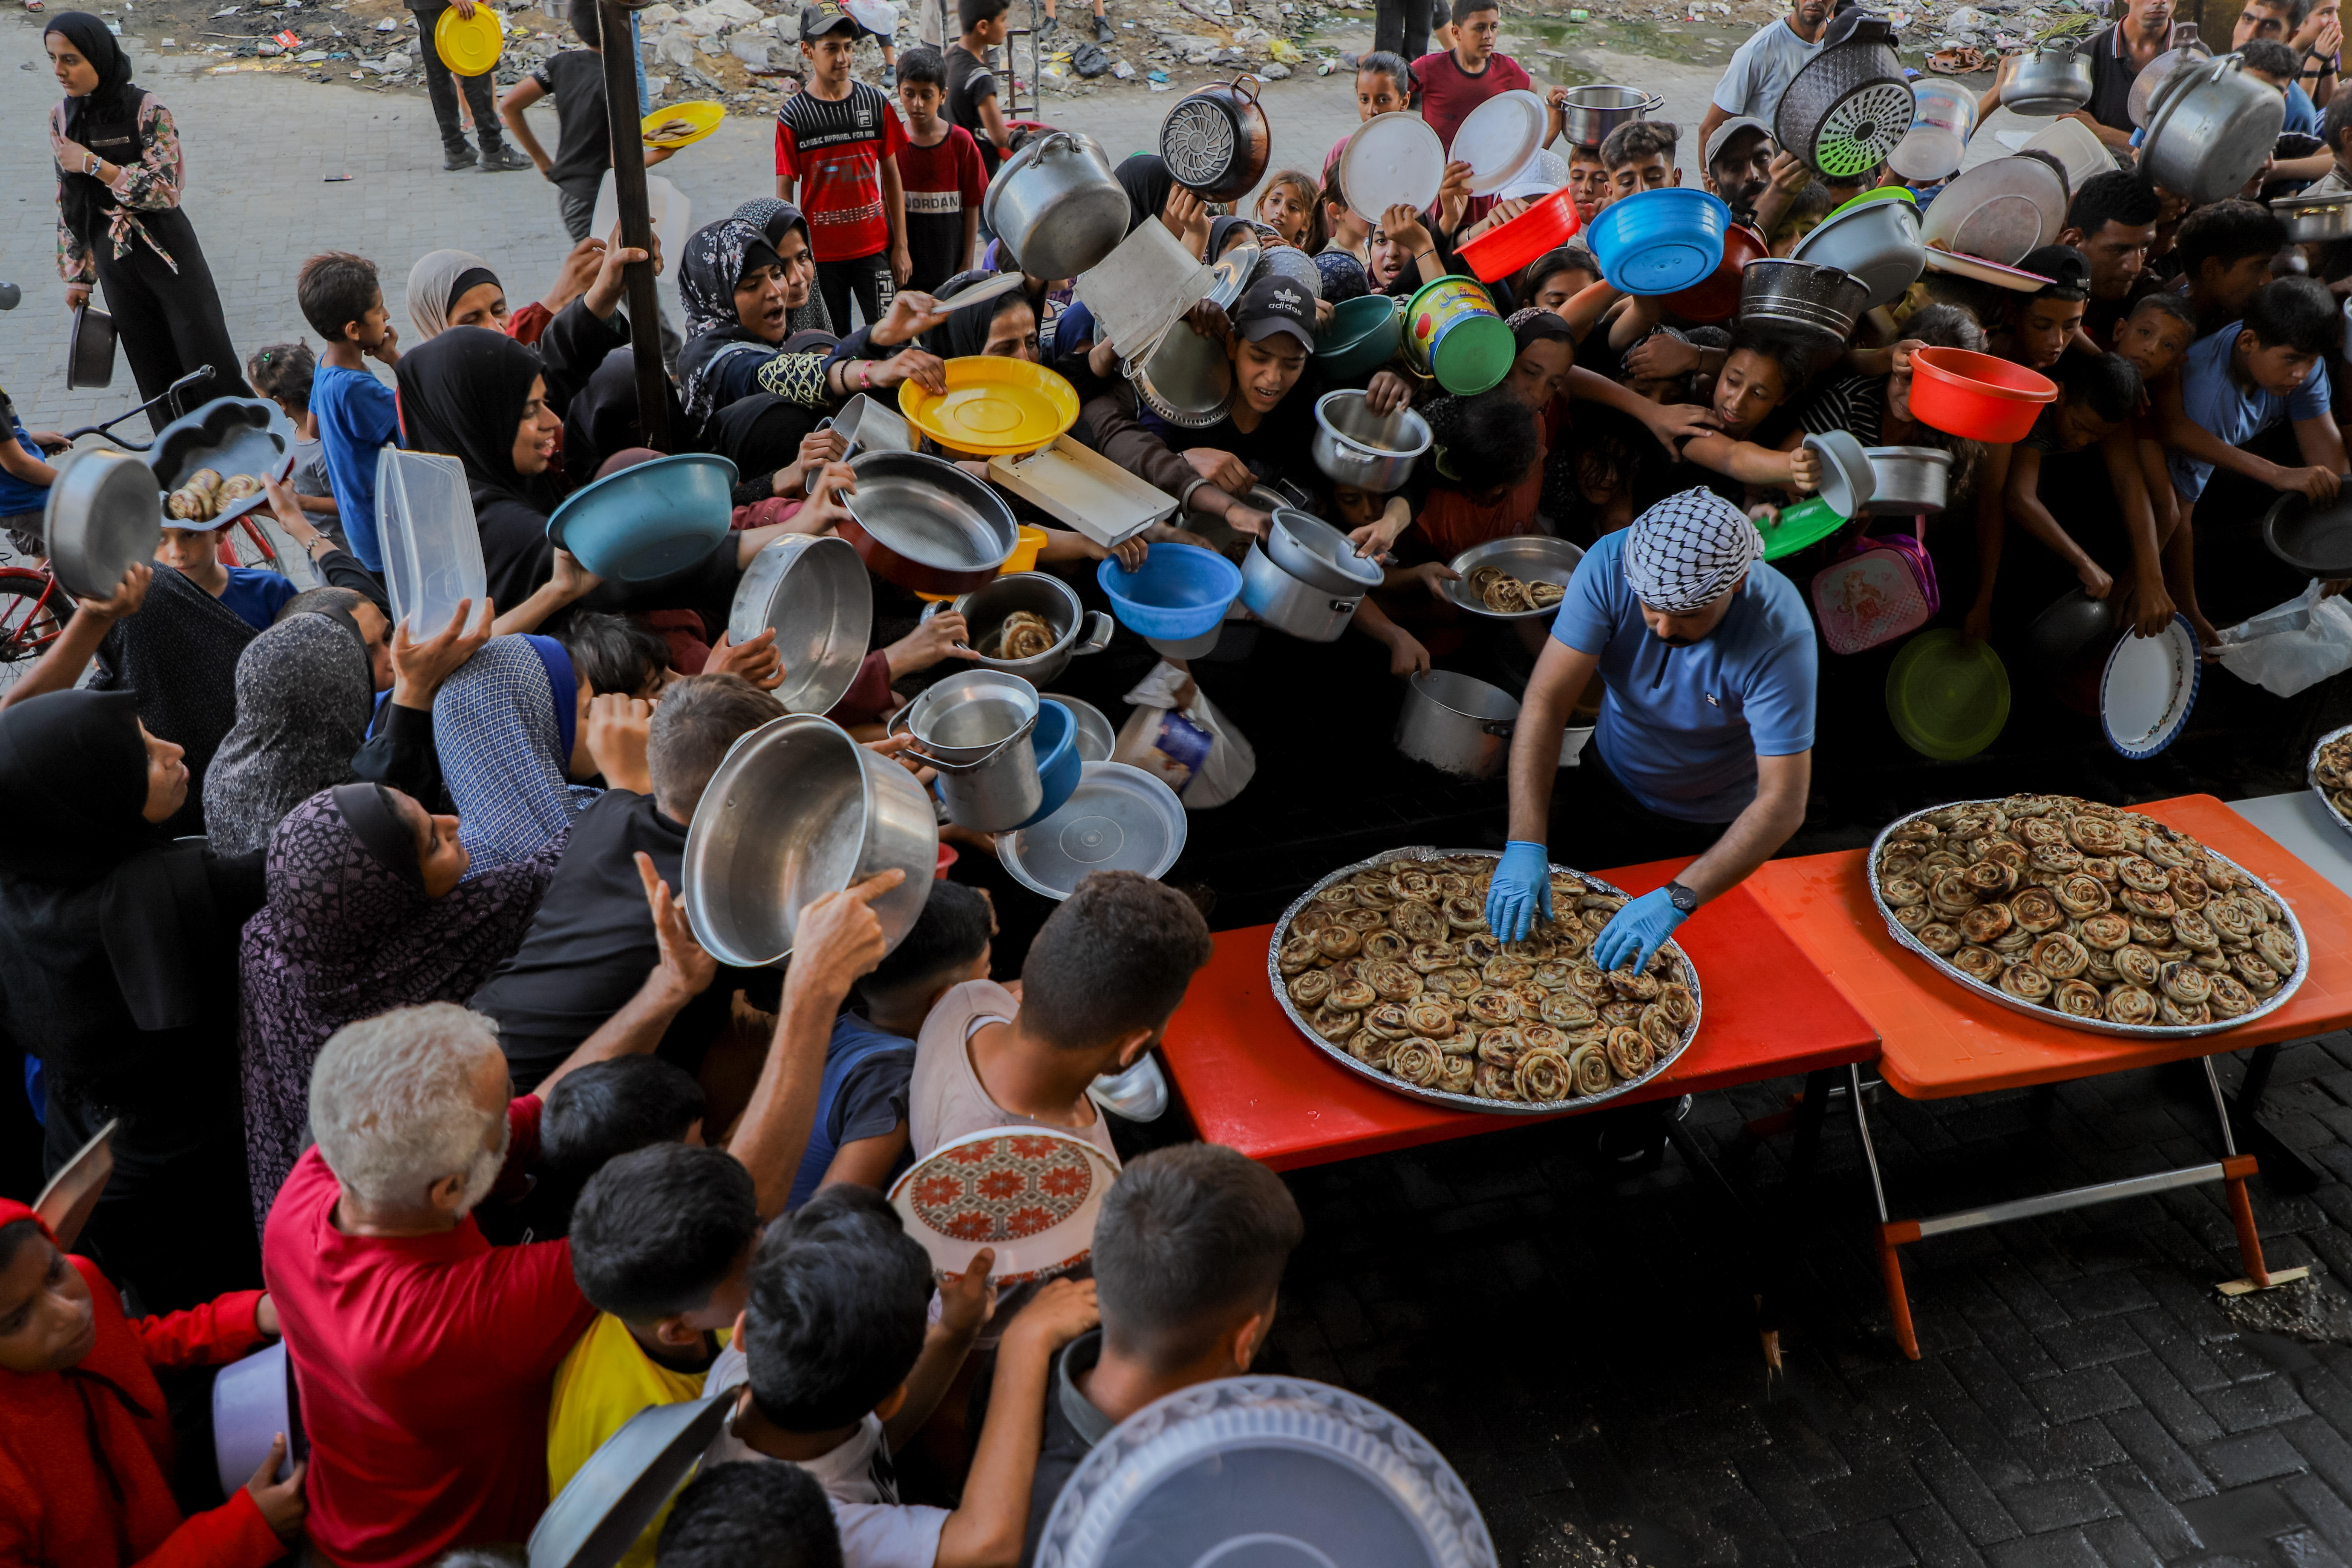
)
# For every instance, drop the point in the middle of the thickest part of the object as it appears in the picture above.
(839, 140)
(1452, 82)
(425, 1356)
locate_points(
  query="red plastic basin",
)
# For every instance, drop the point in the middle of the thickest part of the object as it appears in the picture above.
(1503, 251)
(1717, 299)
(1976, 395)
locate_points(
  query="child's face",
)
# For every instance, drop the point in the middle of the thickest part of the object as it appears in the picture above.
(1588, 179)
(2277, 370)
(2227, 289)
(800, 270)
(1376, 93)
(1384, 258)
(369, 330)
(1287, 209)
(1749, 388)
(2152, 340)
(1265, 371)
(830, 56)
(1791, 234)
(759, 308)
(1553, 293)
(922, 100)
(189, 551)
(1540, 371)
(535, 434)
(1474, 37)
(2081, 426)
(47, 1321)
(2044, 325)
(1356, 508)
(1654, 172)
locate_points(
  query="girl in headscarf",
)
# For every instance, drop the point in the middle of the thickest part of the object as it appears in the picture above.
(119, 979)
(454, 288)
(305, 693)
(1004, 326)
(119, 222)
(776, 219)
(512, 744)
(739, 289)
(370, 909)
(1289, 203)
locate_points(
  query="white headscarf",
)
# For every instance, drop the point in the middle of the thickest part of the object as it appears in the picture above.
(1682, 553)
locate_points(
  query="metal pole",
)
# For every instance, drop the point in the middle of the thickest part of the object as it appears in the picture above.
(622, 113)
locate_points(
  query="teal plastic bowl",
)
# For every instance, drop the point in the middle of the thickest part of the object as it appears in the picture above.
(650, 520)
(1055, 740)
(1362, 337)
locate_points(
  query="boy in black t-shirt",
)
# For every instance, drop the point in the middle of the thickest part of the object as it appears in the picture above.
(972, 85)
(940, 168)
(575, 80)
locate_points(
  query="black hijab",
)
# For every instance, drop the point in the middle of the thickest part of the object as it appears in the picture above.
(463, 393)
(965, 332)
(367, 810)
(1147, 182)
(603, 418)
(109, 111)
(717, 256)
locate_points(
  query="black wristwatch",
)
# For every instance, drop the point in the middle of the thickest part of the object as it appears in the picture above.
(1682, 898)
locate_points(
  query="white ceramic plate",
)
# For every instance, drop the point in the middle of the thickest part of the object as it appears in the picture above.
(1500, 138)
(1031, 1193)
(2149, 688)
(1392, 158)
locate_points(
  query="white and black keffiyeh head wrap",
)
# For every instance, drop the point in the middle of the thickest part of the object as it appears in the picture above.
(1682, 553)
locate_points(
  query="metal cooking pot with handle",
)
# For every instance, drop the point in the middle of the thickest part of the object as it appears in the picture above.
(1215, 141)
(976, 729)
(1041, 594)
(1845, 109)
(2315, 218)
(1457, 725)
(104, 515)
(1060, 212)
(2210, 127)
(1354, 445)
(814, 594)
(1304, 610)
(1588, 114)
(2053, 80)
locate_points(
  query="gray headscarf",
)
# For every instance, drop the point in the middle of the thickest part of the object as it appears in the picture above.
(305, 693)
(1682, 553)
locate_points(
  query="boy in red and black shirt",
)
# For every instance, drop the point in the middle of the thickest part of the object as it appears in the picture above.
(839, 140)
(944, 179)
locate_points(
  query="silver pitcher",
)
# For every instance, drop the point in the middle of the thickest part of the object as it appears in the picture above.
(976, 729)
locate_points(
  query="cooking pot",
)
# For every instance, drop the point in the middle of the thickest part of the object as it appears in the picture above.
(1847, 106)
(2053, 80)
(2314, 218)
(1456, 724)
(1588, 114)
(813, 594)
(1215, 141)
(976, 729)
(1041, 594)
(1318, 554)
(797, 810)
(1058, 209)
(926, 525)
(89, 349)
(1910, 481)
(1375, 452)
(2154, 75)
(1806, 296)
(2210, 127)
(1307, 612)
(1185, 378)
(103, 517)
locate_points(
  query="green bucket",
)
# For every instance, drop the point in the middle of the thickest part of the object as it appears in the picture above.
(1362, 337)
(1453, 331)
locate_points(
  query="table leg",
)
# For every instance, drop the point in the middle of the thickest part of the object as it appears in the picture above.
(2236, 1168)
(1892, 1233)
(2285, 1168)
(1810, 1112)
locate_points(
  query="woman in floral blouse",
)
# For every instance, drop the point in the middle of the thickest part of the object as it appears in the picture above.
(120, 225)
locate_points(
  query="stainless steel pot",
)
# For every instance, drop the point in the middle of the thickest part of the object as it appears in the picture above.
(1911, 480)
(798, 810)
(813, 594)
(2053, 80)
(2154, 75)
(975, 728)
(1457, 725)
(1185, 378)
(926, 525)
(2210, 127)
(89, 348)
(1354, 445)
(2315, 218)
(1588, 114)
(1307, 612)
(1041, 594)
(1800, 294)
(1058, 209)
(104, 513)
(1318, 554)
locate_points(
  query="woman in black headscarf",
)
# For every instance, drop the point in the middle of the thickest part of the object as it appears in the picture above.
(1004, 326)
(122, 979)
(741, 285)
(120, 225)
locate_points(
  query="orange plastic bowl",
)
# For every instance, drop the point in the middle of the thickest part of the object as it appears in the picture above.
(1503, 251)
(1717, 299)
(1976, 395)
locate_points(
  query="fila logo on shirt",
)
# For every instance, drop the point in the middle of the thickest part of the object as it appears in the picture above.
(864, 118)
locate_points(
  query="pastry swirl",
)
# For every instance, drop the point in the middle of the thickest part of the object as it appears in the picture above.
(1659, 1030)
(2138, 966)
(2037, 910)
(1916, 917)
(2228, 996)
(1416, 1060)
(1978, 963)
(2193, 930)
(1417, 921)
(2275, 947)
(1429, 1018)
(2185, 984)
(1502, 1046)
(1354, 996)
(2077, 999)
(1631, 1052)
(1491, 1006)
(2082, 896)
(1336, 941)
(1986, 923)
(2106, 930)
(1390, 1021)
(1312, 988)
(1458, 1075)
(2025, 983)
(2130, 1005)
(1298, 954)
(1391, 981)
(2059, 956)
(1542, 1077)
(1568, 1011)
(1588, 1066)
(1491, 1082)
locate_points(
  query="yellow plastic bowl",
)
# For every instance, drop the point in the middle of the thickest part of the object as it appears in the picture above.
(702, 114)
(470, 48)
(994, 407)
(1024, 554)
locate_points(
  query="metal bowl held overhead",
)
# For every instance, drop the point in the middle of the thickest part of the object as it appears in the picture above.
(1530, 557)
(1822, 301)
(1877, 242)
(1375, 452)
(1911, 480)
(1588, 114)
(1847, 106)
(797, 810)
(977, 730)
(2210, 127)
(1318, 554)
(2156, 73)
(1059, 211)
(1999, 210)
(813, 594)
(926, 525)
(1848, 480)
(1119, 819)
(2053, 80)
(1185, 378)
(103, 516)
(2316, 219)
(1040, 594)
(1305, 610)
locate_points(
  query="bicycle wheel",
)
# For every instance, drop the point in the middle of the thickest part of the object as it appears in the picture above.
(32, 613)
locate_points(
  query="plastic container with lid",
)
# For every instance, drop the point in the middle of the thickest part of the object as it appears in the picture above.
(431, 547)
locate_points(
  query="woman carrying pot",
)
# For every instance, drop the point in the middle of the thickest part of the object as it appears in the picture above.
(120, 225)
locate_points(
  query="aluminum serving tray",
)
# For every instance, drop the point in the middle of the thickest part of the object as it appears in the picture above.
(2051, 1015)
(1445, 1097)
(2311, 763)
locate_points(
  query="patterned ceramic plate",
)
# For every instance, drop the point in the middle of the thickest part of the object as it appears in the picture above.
(1031, 1193)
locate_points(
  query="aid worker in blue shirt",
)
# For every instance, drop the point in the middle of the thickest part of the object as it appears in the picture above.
(1708, 657)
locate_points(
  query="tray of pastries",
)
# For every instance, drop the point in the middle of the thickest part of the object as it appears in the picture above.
(1387, 967)
(2330, 774)
(2088, 915)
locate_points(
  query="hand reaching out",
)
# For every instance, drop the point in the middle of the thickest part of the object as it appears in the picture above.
(756, 660)
(967, 1301)
(1675, 423)
(571, 579)
(1805, 468)
(128, 595)
(603, 296)
(1057, 1314)
(684, 965)
(282, 1504)
(575, 273)
(838, 938)
(1387, 392)
(926, 370)
(419, 668)
(618, 726)
(944, 636)
(1659, 355)
(2319, 485)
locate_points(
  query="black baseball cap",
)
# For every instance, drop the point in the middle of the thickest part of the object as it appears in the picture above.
(826, 16)
(1275, 304)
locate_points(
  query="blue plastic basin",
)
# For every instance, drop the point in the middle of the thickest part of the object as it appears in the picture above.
(650, 520)
(1059, 766)
(1659, 242)
(1181, 591)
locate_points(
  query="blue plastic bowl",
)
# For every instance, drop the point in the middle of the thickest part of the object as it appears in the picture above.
(650, 520)
(1659, 242)
(1059, 766)
(1181, 591)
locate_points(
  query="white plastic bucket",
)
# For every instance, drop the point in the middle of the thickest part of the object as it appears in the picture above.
(1943, 118)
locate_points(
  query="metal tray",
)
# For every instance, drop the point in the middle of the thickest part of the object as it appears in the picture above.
(2051, 1015)
(1523, 555)
(1446, 1096)
(232, 435)
(2309, 771)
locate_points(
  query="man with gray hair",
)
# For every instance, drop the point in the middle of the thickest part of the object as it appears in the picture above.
(424, 1356)
(1707, 659)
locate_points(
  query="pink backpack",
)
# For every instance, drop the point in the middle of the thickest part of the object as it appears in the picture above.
(1882, 588)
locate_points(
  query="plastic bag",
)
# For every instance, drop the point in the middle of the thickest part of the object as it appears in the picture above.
(2301, 643)
(1179, 738)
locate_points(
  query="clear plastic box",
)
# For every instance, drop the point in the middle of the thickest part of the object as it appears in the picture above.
(432, 546)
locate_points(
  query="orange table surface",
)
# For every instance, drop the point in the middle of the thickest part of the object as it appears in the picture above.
(1252, 1080)
(1942, 1040)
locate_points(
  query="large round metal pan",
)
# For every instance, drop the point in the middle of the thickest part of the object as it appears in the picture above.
(2311, 776)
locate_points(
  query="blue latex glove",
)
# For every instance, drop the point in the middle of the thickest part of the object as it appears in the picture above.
(1640, 928)
(1521, 887)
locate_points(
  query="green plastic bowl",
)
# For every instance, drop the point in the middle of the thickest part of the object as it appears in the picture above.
(1882, 193)
(1948, 699)
(1362, 337)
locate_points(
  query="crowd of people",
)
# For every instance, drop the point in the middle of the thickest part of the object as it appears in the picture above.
(362, 938)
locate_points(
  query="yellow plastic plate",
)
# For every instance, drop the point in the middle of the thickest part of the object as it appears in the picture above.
(470, 48)
(994, 407)
(702, 117)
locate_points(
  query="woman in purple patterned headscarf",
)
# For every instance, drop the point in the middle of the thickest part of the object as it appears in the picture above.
(368, 911)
